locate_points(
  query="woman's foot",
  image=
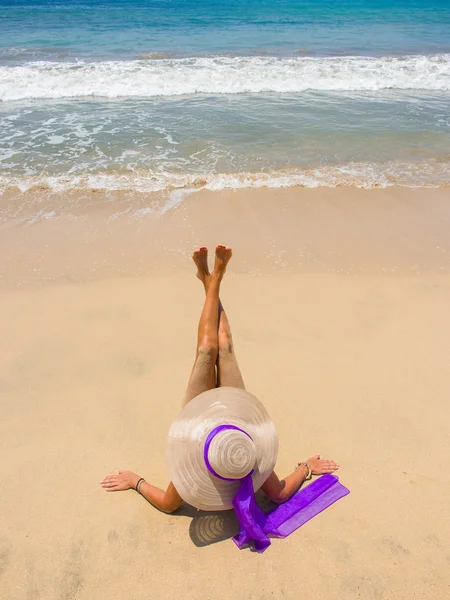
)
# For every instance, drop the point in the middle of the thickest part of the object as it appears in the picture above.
(200, 257)
(223, 255)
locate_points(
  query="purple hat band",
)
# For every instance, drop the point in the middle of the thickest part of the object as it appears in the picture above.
(211, 435)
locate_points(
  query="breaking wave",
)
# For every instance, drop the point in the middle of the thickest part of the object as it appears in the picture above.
(222, 75)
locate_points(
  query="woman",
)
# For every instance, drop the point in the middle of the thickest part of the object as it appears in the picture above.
(215, 366)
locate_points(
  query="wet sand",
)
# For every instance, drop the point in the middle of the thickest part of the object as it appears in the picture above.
(339, 304)
(80, 237)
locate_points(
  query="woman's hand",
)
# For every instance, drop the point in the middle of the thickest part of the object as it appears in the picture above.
(123, 480)
(320, 467)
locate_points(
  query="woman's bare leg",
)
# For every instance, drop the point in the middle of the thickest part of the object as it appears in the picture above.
(203, 376)
(228, 372)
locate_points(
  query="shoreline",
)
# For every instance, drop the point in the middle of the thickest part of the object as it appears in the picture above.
(426, 174)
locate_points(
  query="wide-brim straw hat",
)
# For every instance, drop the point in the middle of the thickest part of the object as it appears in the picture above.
(251, 444)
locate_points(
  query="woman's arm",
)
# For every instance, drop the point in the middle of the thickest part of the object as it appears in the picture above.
(280, 491)
(167, 501)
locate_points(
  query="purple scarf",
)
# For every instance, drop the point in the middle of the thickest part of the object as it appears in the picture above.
(255, 525)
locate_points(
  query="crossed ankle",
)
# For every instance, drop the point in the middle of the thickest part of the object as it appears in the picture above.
(217, 275)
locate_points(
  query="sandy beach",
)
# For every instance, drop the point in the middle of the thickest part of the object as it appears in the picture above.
(339, 305)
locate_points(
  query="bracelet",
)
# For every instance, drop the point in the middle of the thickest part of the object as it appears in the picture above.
(309, 474)
(139, 483)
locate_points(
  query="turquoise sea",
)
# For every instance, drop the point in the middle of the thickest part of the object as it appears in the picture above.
(158, 95)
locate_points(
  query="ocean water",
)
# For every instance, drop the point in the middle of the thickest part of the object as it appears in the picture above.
(161, 95)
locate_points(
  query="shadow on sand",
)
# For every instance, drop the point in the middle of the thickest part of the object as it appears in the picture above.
(210, 527)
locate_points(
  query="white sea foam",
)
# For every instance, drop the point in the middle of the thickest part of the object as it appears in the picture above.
(361, 175)
(223, 75)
